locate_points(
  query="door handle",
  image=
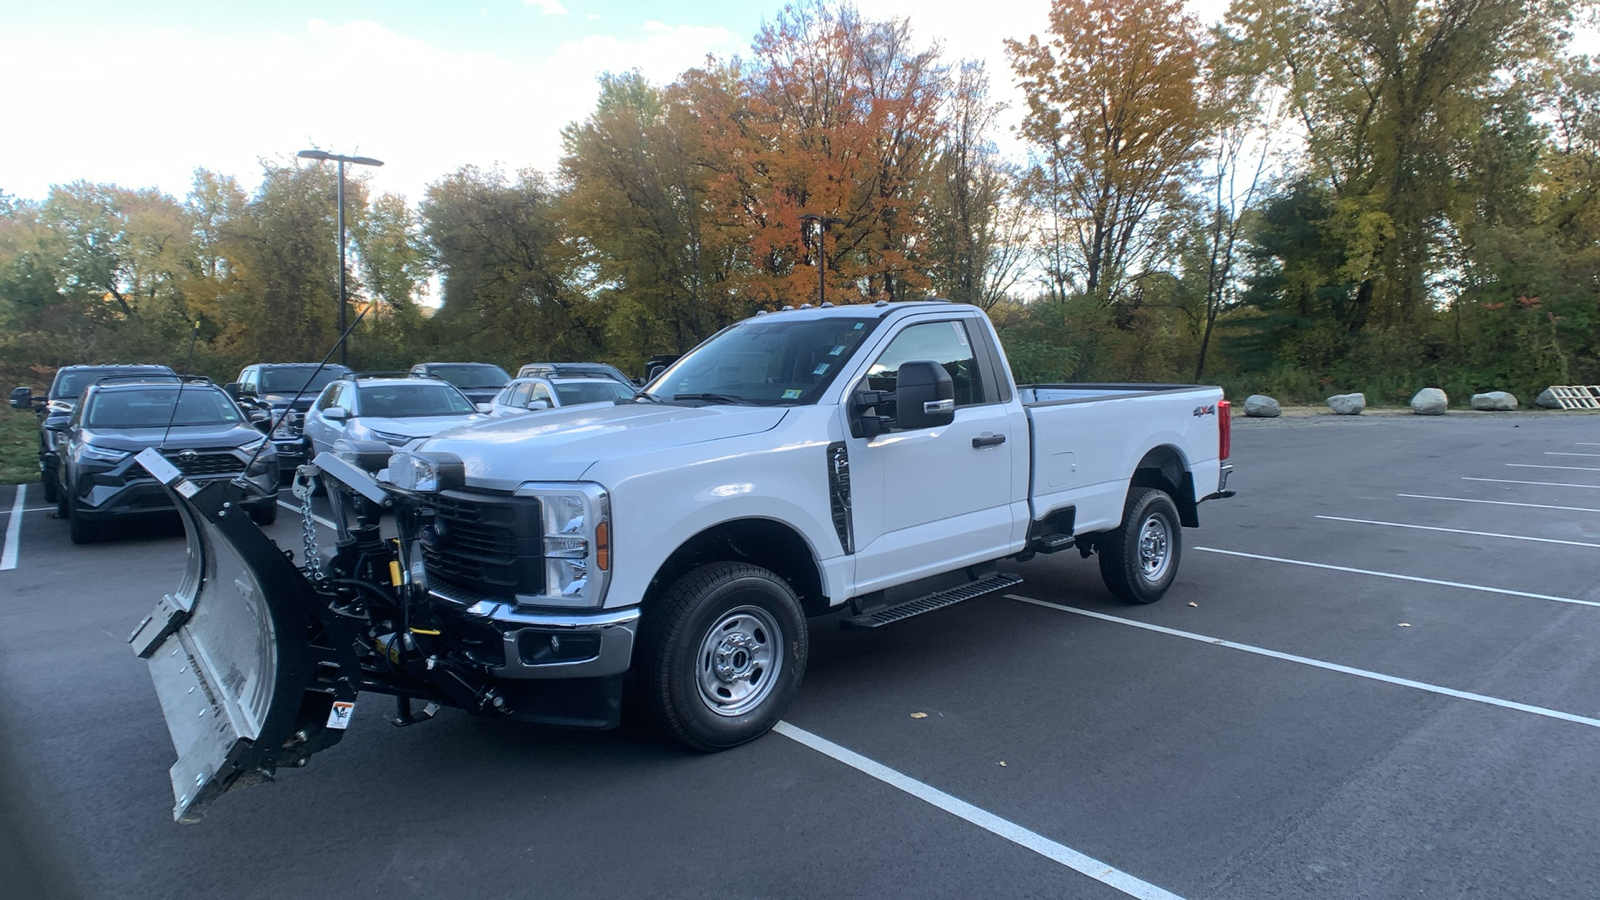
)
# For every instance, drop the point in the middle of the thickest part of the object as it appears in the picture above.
(988, 440)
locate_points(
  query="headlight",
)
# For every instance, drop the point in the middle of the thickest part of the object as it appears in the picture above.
(251, 446)
(398, 440)
(577, 543)
(102, 454)
(284, 430)
(425, 473)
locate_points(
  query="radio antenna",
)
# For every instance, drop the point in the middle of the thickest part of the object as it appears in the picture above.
(182, 380)
(300, 393)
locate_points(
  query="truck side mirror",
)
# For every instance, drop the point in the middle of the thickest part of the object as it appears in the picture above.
(924, 396)
(21, 398)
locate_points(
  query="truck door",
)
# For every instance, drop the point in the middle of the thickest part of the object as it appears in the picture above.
(931, 500)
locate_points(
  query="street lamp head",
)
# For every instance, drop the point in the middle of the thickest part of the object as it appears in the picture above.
(314, 154)
(325, 156)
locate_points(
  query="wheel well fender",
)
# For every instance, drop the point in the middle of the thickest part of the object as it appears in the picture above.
(1164, 468)
(769, 544)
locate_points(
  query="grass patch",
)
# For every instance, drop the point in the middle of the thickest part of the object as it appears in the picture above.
(19, 447)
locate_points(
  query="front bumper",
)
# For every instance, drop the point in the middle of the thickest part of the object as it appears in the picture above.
(544, 644)
(125, 489)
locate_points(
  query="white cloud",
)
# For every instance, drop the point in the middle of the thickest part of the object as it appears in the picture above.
(184, 102)
(548, 7)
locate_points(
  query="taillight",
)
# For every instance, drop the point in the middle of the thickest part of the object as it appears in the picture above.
(1224, 429)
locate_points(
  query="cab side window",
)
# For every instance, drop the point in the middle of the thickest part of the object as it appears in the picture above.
(330, 397)
(518, 395)
(947, 343)
(540, 392)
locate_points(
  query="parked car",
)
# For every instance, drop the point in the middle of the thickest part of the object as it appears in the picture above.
(273, 389)
(479, 381)
(574, 370)
(190, 421)
(394, 408)
(532, 394)
(867, 462)
(55, 408)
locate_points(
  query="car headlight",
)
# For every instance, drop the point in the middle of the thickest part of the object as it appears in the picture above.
(284, 430)
(425, 473)
(102, 454)
(577, 543)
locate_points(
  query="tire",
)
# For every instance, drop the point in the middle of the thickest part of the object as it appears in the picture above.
(48, 480)
(1139, 560)
(81, 530)
(722, 655)
(265, 515)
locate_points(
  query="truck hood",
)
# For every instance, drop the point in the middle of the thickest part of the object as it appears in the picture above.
(561, 444)
(279, 401)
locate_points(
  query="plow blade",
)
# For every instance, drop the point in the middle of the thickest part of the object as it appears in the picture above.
(252, 670)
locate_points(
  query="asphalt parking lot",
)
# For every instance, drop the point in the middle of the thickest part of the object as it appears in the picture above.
(1378, 675)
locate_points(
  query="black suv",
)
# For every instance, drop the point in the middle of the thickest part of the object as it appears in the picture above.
(479, 381)
(56, 406)
(197, 427)
(265, 390)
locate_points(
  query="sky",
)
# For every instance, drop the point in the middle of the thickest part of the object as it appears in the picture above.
(140, 93)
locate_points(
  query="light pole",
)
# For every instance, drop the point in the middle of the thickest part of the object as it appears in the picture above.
(323, 155)
(822, 251)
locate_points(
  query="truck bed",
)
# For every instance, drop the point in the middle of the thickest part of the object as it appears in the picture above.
(1044, 394)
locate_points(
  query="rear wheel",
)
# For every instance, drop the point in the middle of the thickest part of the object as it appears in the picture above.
(1139, 560)
(47, 478)
(722, 653)
(82, 530)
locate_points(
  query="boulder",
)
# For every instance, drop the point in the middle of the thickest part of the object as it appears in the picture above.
(1430, 402)
(1547, 400)
(1496, 401)
(1347, 404)
(1260, 406)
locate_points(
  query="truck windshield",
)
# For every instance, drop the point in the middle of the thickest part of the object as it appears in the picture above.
(767, 361)
(472, 377)
(289, 381)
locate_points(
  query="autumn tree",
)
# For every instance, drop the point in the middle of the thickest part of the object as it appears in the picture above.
(1117, 128)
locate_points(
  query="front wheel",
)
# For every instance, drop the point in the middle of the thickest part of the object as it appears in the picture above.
(1139, 560)
(723, 652)
(80, 529)
(48, 480)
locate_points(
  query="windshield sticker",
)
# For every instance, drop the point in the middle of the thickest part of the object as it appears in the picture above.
(836, 351)
(961, 334)
(858, 326)
(791, 394)
(820, 370)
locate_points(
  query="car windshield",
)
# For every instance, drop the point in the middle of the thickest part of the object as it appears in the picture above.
(152, 407)
(401, 399)
(70, 385)
(769, 361)
(290, 381)
(573, 393)
(473, 377)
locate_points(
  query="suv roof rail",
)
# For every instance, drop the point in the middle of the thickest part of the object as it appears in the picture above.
(382, 374)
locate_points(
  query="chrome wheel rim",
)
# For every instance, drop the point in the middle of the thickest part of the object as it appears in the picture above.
(1155, 548)
(740, 659)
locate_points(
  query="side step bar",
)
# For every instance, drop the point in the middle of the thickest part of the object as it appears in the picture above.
(888, 615)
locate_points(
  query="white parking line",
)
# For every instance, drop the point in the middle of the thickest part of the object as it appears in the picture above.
(988, 821)
(314, 517)
(8, 556)
(1416, 578)
(1501, 503)
(1559, 453)
(1563, 468)
(1509, 537)
(1593, 487)
(1320, 664)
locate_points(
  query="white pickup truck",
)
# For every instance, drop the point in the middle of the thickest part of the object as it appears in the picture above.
(875, 460)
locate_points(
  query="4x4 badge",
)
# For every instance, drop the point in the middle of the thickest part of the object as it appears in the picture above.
(1209, 410)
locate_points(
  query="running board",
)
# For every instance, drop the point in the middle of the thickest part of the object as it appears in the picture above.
(888, 615)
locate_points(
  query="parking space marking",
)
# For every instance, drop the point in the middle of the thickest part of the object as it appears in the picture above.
(1592, 487)
(8, 556)
(1081, 863)
(1509, 537)
(1563, 468)
(314, 517)
(1559, 453)
(1322, 664)
(1501, 503)
(1416, 578)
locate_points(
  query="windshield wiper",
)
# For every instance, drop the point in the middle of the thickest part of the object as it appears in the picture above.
(713, 398)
